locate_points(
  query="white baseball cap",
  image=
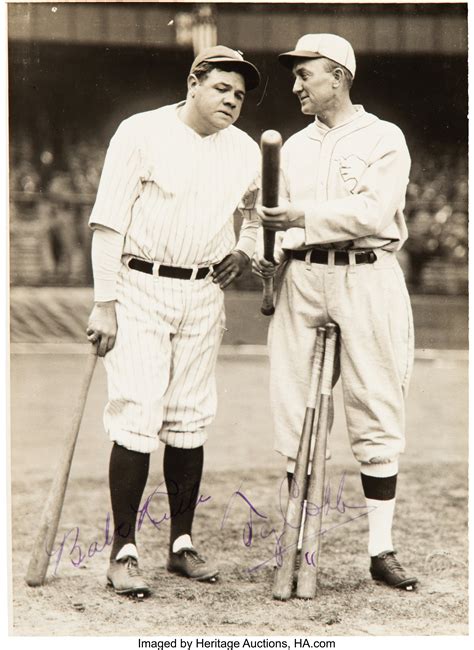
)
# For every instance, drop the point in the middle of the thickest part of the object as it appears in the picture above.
(315, 46)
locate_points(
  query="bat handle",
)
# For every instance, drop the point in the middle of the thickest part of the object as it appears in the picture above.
(312, 530)
(267, 307)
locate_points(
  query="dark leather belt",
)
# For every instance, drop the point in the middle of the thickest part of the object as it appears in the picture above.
(168, 271)
(320, 256)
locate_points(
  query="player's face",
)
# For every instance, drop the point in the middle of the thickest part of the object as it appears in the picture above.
(313, 86)
(217, 100)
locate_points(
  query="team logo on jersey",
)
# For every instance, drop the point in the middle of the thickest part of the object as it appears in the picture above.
(351, 169)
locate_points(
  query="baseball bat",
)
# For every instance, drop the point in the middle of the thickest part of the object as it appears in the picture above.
(49, 521)
(283, 580)
(270, 144)
(307, 574)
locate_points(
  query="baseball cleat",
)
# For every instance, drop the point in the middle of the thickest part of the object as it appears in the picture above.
(189, 563)
(125, 578)
(385, 568)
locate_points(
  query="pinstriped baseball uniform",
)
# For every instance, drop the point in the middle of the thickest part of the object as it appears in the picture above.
(172, 194)
(350, 181)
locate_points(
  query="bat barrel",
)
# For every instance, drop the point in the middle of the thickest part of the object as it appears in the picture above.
(270, 144)
(51, 514)
(283, 580)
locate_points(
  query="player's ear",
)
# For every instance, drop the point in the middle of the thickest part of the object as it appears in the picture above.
(338, 75)
(193, 81)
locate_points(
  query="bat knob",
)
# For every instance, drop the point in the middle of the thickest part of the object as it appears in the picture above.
(331, 330)
(267, 311)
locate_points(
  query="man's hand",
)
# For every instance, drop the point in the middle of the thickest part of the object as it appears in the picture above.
(102, 326)
(230, 268)
(283, 217)
(263, 268)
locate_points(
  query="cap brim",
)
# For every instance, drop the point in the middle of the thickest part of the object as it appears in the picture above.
(249, 72)
(288, 59)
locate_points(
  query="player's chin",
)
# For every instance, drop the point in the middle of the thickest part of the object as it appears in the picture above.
(306, 106)
(224, 119)
(307, 109)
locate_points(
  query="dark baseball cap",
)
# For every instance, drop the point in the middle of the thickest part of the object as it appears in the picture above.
(223, 54)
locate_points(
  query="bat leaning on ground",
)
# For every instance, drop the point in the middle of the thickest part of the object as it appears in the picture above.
(48, 525)
(307, 573)
(283, 580)
(270, 145)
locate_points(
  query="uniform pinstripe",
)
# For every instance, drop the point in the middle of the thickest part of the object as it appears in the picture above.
(172, 194)
(174, 208)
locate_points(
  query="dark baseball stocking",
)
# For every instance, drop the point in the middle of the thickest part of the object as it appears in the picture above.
(128, 473)
(183, 471)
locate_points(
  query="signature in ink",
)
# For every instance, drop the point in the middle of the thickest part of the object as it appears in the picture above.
(71, 546)
(248, 533)
(328, 505)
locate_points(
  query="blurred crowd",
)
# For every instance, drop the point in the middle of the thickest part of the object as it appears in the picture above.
(51, 198)
(437, 216)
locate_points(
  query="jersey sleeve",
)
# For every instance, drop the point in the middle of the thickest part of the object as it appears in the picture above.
(119, 183)
(373, 203)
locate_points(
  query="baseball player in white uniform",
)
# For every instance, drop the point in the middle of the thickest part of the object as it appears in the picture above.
(339, 224)
(163, 249)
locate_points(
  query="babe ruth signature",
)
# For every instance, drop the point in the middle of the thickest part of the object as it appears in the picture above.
(257, 525)
(78, 553)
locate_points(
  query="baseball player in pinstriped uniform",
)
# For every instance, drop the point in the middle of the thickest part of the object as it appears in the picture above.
(163, 249)
(339, 226)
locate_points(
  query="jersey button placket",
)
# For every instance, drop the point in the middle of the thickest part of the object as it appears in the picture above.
(324, 166)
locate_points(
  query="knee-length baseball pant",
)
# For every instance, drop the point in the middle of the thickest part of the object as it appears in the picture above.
(371, 306)
(161, 371)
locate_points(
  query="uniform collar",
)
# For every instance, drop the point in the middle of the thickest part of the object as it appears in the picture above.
(318, 128)
(188, 129)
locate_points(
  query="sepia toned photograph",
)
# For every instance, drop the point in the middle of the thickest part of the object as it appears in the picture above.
(238, 320)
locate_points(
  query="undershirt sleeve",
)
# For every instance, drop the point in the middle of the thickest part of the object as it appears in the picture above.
(107, 248)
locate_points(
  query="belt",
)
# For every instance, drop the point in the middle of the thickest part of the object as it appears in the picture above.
(321, 256)
(169, 271)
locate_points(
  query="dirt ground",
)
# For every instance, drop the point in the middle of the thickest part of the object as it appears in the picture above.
(430, 529)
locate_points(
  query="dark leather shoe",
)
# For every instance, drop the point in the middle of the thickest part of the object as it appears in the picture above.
(189, 563)
(385, 568)
(126, 579)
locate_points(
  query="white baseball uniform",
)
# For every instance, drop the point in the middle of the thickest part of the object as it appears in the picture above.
(172, 195)
(350, 181)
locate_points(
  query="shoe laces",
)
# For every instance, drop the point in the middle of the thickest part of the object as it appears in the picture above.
(193, 556)
(392, 562)
(133, 569)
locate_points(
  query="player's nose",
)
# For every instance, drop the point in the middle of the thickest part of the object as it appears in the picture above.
(297, 86)
(230, 101)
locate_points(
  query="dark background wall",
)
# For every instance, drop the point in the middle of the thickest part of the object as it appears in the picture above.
(76, 88)
(74, 74)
